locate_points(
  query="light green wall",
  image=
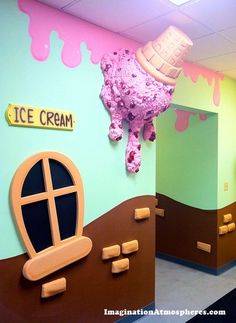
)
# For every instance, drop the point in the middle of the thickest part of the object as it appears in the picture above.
(187, 161)
(197, 95)
(207, 181)
(26, 81)
(227, 145)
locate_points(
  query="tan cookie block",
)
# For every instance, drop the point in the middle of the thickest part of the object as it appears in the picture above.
(140, 214)
(120, 265)
(160, 212)
(54, 287)
(129, 247)
(110, 252)
(227, 218)
(231, 227)
(223, 229)
(204, 246)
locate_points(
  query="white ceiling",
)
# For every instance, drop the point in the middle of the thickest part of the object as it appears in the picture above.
(211, 24)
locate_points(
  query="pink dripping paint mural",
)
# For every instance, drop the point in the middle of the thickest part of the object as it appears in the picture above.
(194, 71)
(183, 118)
(72, 31)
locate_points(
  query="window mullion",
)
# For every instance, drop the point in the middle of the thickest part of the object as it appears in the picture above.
(65, 190)
(51, 203)
(33, 198)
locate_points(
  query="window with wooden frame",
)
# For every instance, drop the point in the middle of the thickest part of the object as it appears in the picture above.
(47, 200)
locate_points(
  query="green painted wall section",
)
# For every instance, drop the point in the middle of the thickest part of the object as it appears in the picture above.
(210, 180)
(197, 95)
(227, 145)
(101, 163)
(187, 161)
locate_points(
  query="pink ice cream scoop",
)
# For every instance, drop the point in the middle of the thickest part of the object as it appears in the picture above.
(139, 86)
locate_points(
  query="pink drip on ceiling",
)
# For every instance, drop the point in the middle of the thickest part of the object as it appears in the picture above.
(73, 31)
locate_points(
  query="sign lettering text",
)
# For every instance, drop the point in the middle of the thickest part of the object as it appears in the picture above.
(40, 118)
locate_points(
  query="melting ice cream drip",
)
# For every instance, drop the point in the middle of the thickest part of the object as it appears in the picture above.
(139, 86)
(131, 94)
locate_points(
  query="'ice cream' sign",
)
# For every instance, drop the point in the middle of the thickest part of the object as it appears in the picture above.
(25, 116)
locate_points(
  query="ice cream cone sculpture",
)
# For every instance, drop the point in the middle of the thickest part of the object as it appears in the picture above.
(139, 86)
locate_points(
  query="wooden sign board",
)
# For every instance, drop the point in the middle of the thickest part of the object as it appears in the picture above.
(25, 116)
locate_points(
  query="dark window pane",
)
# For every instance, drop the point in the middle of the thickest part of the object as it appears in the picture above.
(34, 182)
(66, 212)
(36, 219)
(60, 175)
